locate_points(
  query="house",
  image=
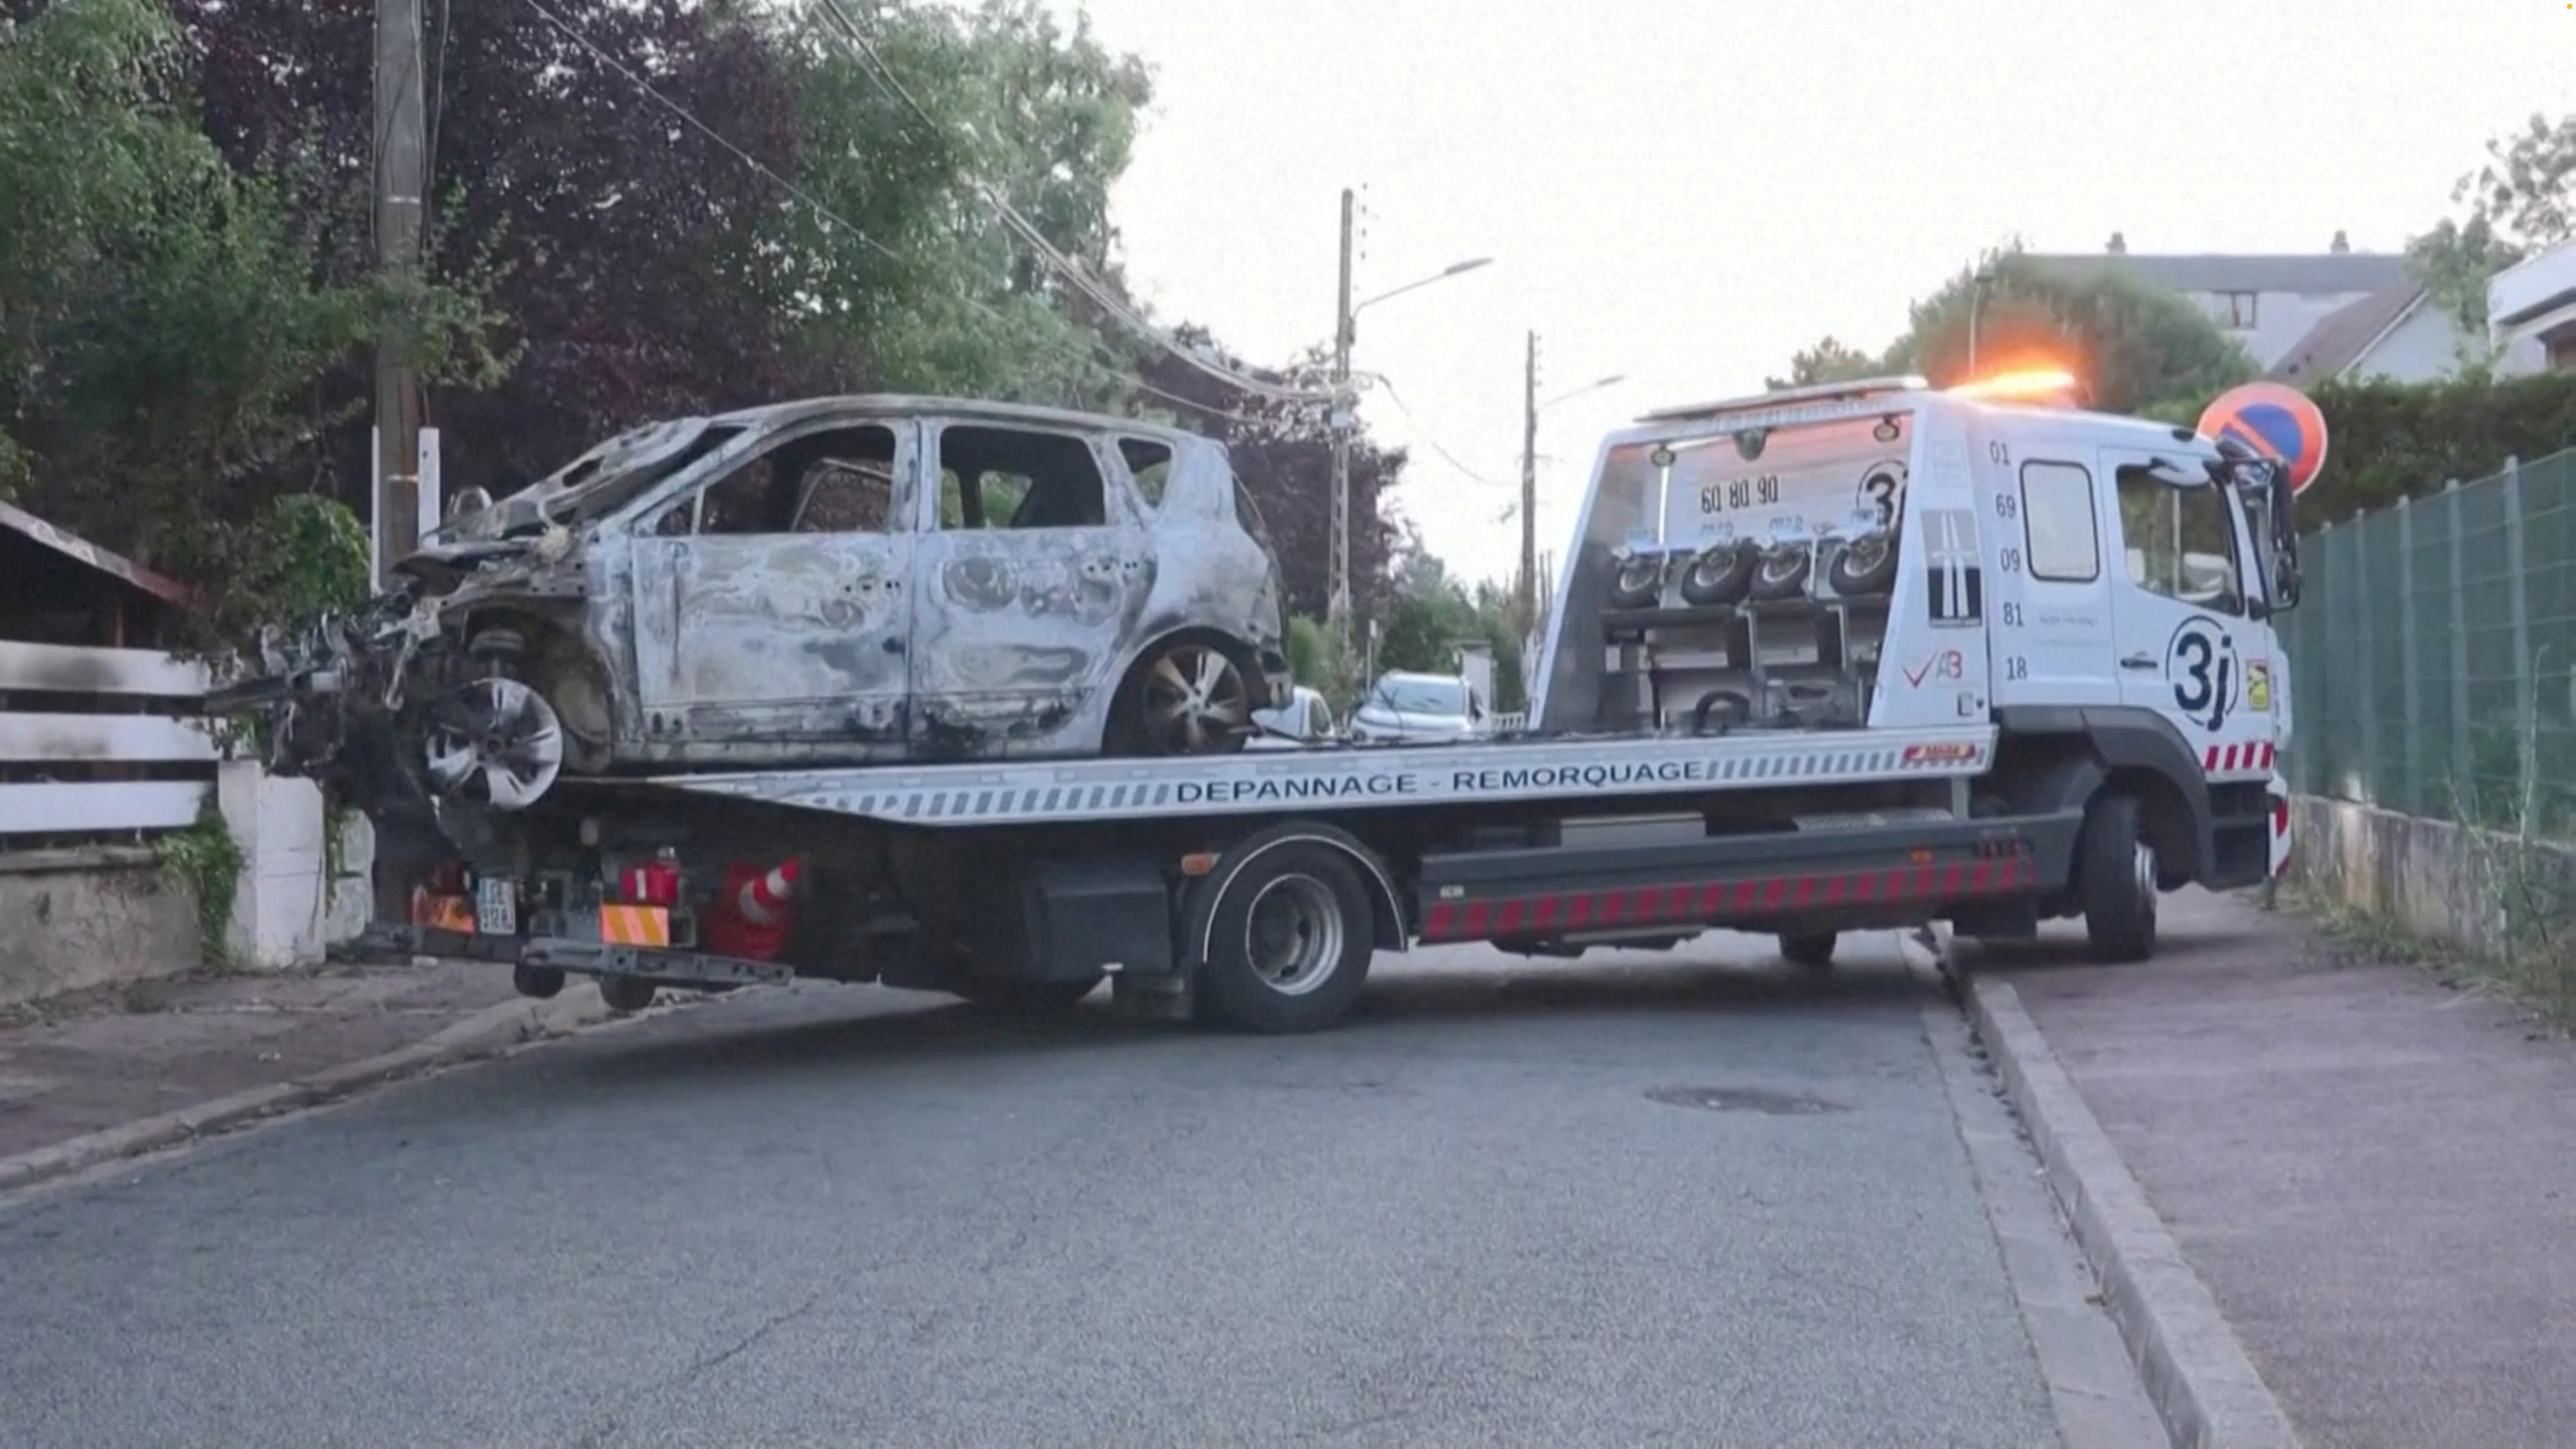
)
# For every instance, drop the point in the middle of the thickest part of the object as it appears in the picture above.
(2531, 313)
(2304, 318)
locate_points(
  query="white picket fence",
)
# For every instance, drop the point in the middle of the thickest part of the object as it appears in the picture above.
(81, 712)
(75, 743)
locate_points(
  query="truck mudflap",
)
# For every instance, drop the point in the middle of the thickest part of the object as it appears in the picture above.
(1895, 874)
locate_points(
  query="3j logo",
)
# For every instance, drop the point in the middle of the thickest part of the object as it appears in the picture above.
(2201, 662)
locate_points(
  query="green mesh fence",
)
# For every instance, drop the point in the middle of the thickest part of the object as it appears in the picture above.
(2433, 656)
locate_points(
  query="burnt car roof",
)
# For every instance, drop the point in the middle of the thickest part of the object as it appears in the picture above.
(772, 415)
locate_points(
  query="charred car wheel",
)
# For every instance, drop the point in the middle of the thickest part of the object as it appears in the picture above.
(1640, 584)
(1867, 566)
(1783, 572)
(1720, 573)
(1191, 699)
(494, 742)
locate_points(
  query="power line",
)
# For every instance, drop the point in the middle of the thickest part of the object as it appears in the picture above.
(1424, 434)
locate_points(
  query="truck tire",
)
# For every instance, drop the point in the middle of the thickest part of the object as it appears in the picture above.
(1783, 573)
(1639, 583)
(626, 993)
(1289, 941)
(2115, 879)
(1809, 948)
(1866, 566)
(1719, 573)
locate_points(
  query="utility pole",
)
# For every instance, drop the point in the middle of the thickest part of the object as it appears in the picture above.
(1529, 487)
(1338, 609)
(400, 166)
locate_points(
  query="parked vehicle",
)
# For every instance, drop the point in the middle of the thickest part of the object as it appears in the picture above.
(1854, 657)
(1406, 708)
(1304, 722)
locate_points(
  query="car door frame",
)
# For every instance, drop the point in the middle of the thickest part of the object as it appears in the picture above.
(860, 582)
(1090, 582)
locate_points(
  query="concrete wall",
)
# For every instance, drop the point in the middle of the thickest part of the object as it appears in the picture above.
(2441, 881)
(284, 913)
(90, 917)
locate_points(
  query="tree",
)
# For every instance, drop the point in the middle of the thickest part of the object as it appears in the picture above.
(2523, 199)
(1283, 453)
(2135, 345)
(162, 316)
(1828, 361)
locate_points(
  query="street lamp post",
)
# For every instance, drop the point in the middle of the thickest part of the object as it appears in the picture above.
(1976, 297)
(1346, 315)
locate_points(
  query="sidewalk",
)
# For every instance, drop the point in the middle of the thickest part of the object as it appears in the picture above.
(123, 1060)
(2374, 1176)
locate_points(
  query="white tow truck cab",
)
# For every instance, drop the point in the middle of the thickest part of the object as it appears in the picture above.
(1863, 656)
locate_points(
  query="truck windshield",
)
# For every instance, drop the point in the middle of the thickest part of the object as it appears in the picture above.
(1420, 696)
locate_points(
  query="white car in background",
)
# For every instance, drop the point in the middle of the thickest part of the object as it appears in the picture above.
(1403, 708)
(1304, 722)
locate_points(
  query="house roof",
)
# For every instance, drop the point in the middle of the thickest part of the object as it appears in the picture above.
(2346, 335)
(2323, 272)
(80, 550)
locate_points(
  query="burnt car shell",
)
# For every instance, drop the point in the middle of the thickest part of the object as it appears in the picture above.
(655, 640)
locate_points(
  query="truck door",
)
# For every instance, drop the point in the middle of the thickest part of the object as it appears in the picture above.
(2056, 551)
(2179, 602)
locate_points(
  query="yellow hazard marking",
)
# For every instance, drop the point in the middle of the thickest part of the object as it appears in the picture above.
(635, 925)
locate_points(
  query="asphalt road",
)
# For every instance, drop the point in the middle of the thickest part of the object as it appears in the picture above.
(1662, 1200)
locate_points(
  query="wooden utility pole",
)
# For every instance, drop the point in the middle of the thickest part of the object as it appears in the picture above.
(1338, 608)
(401, 162)
(1529, 487)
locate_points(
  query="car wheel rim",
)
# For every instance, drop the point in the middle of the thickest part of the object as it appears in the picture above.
(1293, 934)
(494, 740)
(1195, 701)
(1866, 555)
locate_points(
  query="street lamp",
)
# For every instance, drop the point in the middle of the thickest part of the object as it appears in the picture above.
(1977, 295)
(1338, 608)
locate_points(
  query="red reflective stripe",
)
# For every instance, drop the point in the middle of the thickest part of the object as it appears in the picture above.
(1677, 901)
(1746, 892)
(1895, 885)
(1511, 917)
(1477, 911)
(1578, 909)
(1950, 879)
(1834, 888)
(1437, 923)
(1806, 890)
(1712, 898)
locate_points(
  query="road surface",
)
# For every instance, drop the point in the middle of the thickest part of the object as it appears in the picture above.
(1697, 1198)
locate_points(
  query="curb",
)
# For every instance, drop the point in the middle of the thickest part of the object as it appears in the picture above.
(489, 1032)
(2196, 1372)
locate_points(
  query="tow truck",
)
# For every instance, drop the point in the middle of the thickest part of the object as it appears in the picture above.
(1869, 655)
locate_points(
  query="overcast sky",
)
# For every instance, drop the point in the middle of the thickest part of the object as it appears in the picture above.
(1687, 193)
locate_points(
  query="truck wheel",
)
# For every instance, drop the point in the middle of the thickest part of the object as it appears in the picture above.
(1719, 574)
(1640, 582)
(1290, 941)
(541, 982)
(626, 993)
(1809, 948)
(1032, 998)
(2116, 879)
(1783, 573)
(1866, 566)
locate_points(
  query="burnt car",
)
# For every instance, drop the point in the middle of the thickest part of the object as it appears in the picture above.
(835, 581)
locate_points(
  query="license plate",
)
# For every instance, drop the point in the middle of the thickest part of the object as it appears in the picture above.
(496, 907)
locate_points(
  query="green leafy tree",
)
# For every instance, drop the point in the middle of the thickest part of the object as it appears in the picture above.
(2132, 343)
(940, 294)
(161, 320)
(1830, 360)
(2523, 199)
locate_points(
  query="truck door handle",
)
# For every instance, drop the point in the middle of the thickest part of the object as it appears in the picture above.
(2139, 661)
